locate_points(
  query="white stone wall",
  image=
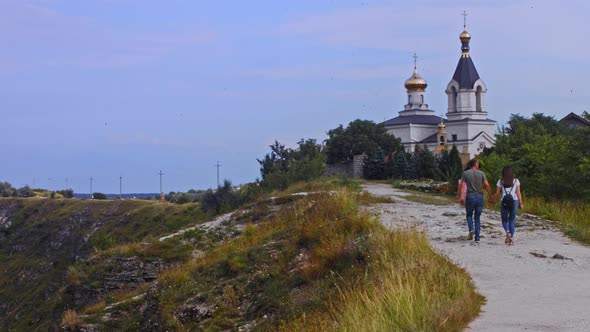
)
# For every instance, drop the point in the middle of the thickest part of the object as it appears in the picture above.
(421, 132)
(402, 133)
(459, 129)
(465, 104)
(476, 128)
(416, 101)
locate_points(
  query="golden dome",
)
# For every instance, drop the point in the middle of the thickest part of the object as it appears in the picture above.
(415, 82)
(465, 36)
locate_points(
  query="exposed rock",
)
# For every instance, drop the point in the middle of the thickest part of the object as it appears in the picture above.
(450, 214)
(88, 328)
(539, 255)
(131, 272)
(558, 256)
(194, 312)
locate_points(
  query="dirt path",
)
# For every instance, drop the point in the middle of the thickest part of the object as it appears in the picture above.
(542, 283)
(206, 225)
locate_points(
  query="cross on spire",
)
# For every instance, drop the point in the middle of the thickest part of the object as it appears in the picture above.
(415, 58)
(464, 20)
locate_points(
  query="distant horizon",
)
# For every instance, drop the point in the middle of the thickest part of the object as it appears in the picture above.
(108, 89)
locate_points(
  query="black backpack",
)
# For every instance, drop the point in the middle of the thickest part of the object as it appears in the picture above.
(508, 200)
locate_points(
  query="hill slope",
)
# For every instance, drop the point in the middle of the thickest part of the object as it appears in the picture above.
(291, 262)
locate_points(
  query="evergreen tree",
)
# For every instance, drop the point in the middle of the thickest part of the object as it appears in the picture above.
(426, 165)
(400, 165)
(455, 169)
(443, 164)
(412, 162)
(375, 166)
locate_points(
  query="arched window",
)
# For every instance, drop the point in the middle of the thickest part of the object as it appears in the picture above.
(478, 99)
(452, 99)
(409, 99)
(442, 140)
(422, 98)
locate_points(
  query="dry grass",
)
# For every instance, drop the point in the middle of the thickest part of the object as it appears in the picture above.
(573, 216)
(355, 274)
(409, 288)
(95, 308)
(71, 320)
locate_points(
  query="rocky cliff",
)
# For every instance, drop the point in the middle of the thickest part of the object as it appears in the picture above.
(53, 254)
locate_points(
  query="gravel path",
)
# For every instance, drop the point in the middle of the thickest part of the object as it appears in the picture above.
(542, 283)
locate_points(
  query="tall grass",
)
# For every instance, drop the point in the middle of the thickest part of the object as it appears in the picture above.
(408, 288)
(573, 216)
(335, 267)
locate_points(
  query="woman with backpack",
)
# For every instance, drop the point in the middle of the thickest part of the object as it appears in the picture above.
(509, 186)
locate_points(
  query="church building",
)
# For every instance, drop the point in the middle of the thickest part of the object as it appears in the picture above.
(466, 125)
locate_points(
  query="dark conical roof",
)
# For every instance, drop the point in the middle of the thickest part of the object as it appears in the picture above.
(465, 74)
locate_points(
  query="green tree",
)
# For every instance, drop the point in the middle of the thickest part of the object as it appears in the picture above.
(359, 137)
(283, 166)
(67, 193)
(426, 164)
(546, 156)
(224, 199)
(6, 189)
(375, 166)
(454, 169)
(25, 191)
(99, 196)
(401, 162)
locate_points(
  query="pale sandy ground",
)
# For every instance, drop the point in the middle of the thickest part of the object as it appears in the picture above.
(523, 292)
(206, 225)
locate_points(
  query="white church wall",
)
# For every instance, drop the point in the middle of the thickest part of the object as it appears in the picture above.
(403, 133)
(420, 132)
(476, 128)
(459, 129)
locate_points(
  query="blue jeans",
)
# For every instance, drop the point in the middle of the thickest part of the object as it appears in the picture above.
(508, 218)
(473, 207)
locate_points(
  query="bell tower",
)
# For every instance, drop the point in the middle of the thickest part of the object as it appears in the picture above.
(466, 90)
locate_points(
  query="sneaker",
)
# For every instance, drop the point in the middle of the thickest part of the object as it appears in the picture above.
(476, 239)
(470, 236)
(508, 238)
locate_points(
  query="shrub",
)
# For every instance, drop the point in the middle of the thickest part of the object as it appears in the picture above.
(66, 193)
(71, 320)
(25, 191)
(99, 196)
(223, 199)
(6, 189)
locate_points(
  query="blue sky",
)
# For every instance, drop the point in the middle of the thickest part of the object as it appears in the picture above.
(109, 88)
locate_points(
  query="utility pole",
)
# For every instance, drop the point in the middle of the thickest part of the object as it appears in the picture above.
(217, 165)
(120, 187)
(162, 196)
(91, 195)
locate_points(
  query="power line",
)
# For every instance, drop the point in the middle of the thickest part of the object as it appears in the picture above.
(162, 196)
(217, 165)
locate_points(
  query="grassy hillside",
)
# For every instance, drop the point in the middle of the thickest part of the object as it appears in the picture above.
(288, 262)
(41, 238)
